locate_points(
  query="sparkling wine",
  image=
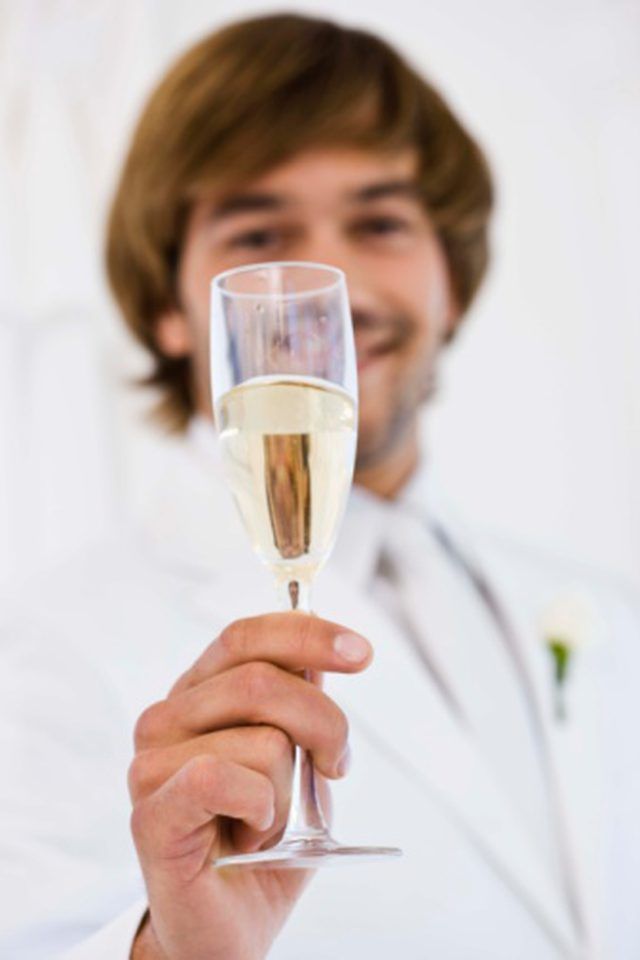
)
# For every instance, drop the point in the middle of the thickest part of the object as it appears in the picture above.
(288, 447)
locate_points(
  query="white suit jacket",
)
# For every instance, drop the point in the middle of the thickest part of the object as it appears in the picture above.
(85, 649)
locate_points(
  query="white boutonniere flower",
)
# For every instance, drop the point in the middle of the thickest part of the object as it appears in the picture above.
(571, 623)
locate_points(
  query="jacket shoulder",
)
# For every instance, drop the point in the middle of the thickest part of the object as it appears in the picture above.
(113, 615)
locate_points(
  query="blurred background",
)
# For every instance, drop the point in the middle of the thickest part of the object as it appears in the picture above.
(536, 429)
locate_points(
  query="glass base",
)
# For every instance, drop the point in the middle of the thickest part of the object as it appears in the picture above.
(303, 854)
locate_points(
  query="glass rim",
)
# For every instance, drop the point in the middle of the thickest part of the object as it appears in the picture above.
(339, 275)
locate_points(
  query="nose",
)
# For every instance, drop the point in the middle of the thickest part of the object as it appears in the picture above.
(326, 246)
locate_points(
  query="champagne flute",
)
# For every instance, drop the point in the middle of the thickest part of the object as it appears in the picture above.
(284, 381)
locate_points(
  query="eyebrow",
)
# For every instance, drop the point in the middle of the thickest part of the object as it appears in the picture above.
(387, 188)
(247, 202)
(254, 202)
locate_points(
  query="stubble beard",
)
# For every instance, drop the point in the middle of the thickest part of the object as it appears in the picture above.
(376, 446)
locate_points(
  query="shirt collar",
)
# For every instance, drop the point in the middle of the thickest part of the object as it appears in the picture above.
(369, 519)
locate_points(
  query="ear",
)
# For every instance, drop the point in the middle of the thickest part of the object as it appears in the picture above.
(173, 335)
(453, 313)
(454, 319)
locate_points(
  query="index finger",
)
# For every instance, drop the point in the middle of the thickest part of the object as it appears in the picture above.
(294, 641)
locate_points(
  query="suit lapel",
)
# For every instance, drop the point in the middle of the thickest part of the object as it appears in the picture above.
(574, 746)
(416, 728)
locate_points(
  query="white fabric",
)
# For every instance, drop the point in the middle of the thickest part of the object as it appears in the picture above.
(108, 942)
(87, 648)
(72, 76)
(458, 660)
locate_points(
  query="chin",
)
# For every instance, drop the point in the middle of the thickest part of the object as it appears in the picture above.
(380, 439)
(372, 448)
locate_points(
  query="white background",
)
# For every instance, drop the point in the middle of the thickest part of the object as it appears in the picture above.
(536, 432)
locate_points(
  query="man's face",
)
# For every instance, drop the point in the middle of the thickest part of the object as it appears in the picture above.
(353, 209)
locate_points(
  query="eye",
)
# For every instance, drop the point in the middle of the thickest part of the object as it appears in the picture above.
(382, 226)
(255, 239)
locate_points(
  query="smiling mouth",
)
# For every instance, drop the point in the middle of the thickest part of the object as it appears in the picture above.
(376, 339)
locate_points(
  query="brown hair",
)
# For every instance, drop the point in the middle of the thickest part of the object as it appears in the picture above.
(246, 98)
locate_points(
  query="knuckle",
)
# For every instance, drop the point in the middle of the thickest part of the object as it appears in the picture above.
(138, 775)
(257, 681)
(201, 774)
(275, 746)
(186, 679)
(149, 724)
(235, 638)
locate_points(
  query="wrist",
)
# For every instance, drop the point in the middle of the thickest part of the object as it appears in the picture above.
(145, 945)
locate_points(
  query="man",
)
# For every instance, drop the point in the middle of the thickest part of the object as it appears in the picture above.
(287, 138)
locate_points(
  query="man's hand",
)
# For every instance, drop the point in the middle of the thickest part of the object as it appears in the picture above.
(212, 776)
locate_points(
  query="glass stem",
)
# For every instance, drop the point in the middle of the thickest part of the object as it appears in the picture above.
(306, 820)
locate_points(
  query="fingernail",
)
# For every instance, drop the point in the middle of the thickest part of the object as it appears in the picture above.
(344, 763)
(351, 647)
